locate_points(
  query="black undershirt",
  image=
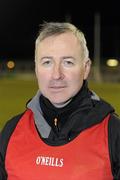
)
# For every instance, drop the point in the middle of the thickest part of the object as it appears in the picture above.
(50, 112)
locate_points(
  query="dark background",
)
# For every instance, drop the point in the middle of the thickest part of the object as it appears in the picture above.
(20, 19)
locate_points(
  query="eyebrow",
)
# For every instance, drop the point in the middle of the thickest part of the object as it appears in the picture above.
(46, 57)
(51, 57)
(68, 57)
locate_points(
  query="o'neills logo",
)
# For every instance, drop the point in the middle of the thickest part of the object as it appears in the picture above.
(49, 161)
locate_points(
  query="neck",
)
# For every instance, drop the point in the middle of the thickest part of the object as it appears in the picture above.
(60, 105)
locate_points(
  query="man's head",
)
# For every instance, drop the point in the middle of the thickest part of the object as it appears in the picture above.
(61, 61)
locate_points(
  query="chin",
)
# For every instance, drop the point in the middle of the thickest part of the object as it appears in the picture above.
(57, 102)
(60, 102)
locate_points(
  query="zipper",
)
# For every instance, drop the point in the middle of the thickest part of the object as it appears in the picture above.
(56, 124)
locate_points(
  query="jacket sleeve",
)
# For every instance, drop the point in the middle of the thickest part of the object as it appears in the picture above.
(3, 174)
(114, 145)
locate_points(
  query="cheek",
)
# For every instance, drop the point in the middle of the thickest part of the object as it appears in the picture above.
(77, 82)
(42, 78)
(77, 75)
(40, 73)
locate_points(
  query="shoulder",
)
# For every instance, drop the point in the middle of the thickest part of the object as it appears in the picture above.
(114, 128)
(11, 124)
(114, 131)
(6, 133)
(114, 123)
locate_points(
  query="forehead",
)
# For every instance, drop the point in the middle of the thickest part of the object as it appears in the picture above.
(64, 40)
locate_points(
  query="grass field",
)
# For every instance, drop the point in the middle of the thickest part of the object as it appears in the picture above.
(15, 92)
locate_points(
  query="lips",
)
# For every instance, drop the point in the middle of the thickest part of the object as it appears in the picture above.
(57, 88)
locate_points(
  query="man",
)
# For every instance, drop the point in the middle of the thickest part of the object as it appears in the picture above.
(67, 131)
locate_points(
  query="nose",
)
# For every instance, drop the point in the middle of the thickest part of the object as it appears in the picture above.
(57, 72)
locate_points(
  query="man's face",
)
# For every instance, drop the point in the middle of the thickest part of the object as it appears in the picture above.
(59, 68)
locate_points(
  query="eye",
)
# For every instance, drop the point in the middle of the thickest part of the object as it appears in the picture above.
(69, 62)
(46, 62)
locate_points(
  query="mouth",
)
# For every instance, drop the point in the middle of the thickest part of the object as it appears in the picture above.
(57, 88)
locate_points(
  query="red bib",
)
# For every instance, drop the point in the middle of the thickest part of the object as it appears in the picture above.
(84, 158)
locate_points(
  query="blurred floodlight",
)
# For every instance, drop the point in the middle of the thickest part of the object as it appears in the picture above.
(112, 62)
(10, 64)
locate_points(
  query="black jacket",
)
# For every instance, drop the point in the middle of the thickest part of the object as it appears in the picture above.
(85, 110)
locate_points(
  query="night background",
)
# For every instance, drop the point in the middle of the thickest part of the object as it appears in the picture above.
(19, 26)
(20, 19)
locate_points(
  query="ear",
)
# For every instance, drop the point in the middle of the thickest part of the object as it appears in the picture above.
(87, 66)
